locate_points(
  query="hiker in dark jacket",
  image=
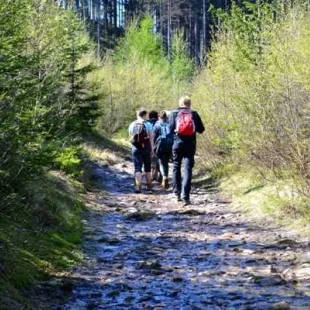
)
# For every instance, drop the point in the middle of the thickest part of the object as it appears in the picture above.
(184, 123)
(163, 140)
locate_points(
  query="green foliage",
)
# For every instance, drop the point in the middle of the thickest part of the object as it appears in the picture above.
(69, 160)
(254, 91)
(38, 238)
(139, 74)
(182, 65)
(46, 101)
(141, 45)
(44, 97)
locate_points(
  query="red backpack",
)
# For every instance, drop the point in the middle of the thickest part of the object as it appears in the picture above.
(185, 125)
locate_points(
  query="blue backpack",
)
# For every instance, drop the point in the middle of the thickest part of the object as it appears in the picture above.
(165, 140)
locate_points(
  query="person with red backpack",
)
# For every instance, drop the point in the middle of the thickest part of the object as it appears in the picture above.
(184, 123)
(141, 138)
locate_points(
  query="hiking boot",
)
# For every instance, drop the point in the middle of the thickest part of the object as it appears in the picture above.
(137, 189)
(185, 202)
(178, 196)
(149, 187)
(165, 183)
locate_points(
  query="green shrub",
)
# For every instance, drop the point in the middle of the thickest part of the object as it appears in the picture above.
(69, 160)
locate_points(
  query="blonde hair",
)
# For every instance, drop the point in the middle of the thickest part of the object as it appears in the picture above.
(185, 101)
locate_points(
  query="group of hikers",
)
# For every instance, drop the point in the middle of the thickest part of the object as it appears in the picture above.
(158, 137)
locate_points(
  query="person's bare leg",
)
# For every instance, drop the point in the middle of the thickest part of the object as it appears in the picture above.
(138, 179)
(148, 180)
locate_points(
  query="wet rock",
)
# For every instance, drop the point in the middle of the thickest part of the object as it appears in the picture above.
(103, 240)
(67, 285)
(141, 215)
(251, 261)
(96, 295)
(174, 294)
(103, 260)
(235, 243)
(92, 306)
(304, 258)
(204, 255)
(192, 212)
(177, 279)
(283, 305)
(302, 272)
(269, 280)
(108, 240)
(146, 298)
(129, 299)
(287, 242)
(281, 244)
(156, 272)
(114, 293)
(113, 241)
(151, 265)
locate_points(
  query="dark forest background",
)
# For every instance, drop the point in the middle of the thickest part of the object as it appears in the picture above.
(107, 19)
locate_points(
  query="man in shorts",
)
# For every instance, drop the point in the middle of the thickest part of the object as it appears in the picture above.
(141, 138)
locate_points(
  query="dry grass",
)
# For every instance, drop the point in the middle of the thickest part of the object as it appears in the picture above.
(267, 199)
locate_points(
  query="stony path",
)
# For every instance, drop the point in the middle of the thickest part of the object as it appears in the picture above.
(147, 252)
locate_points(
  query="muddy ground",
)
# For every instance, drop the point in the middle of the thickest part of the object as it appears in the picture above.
(147, 252)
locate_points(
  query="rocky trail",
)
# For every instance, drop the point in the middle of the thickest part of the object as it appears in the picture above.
(147, 252)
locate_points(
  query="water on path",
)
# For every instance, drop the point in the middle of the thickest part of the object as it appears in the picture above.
(147, 252)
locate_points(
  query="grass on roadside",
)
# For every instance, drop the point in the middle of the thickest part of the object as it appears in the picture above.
(260, 197)
(39, 237)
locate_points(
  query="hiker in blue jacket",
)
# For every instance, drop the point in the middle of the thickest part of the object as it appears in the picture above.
(163, 140)
(184, 123)
(153, 118)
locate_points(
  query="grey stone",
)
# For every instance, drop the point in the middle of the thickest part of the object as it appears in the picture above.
(283, 305)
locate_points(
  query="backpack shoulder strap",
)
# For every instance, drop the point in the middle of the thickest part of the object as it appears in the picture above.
(163, 129)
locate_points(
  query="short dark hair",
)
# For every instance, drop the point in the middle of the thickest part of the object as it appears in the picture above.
(153, 114)
(141, 112)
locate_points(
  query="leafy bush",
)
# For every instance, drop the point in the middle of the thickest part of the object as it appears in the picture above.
(254, 92)
(44, 96)
(139, 74)
(69, 160)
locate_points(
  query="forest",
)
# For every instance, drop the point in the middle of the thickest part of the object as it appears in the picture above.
(75, 71)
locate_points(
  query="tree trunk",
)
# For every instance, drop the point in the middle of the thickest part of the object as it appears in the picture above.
(98, 26)
(169, 29)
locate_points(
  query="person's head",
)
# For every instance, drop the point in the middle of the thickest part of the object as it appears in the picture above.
(142, 113)
(163, 115)
(185, 102)
(153, 115)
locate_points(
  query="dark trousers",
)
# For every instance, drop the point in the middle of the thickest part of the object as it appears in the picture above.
(163, 161)
(183, 153)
